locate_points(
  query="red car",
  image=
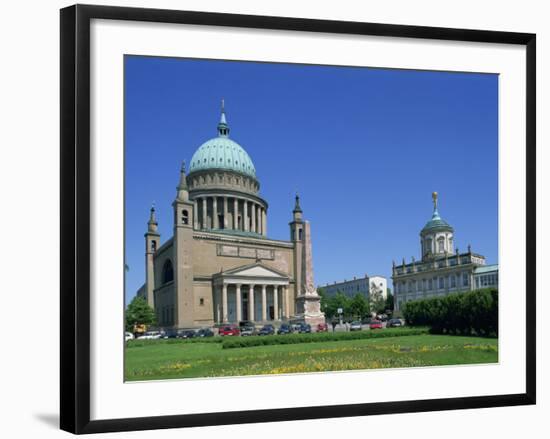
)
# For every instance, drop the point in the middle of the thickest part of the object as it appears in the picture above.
(230, 330)
(322, 327)
(375, 324)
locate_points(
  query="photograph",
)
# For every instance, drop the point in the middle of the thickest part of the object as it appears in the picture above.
(288, 218)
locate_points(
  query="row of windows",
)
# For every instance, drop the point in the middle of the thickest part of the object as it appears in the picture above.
(222, 178)
(486, 280)
(451, 281)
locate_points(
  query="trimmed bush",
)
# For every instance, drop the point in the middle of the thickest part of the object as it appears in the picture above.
(246, 342)
(470, 313)
(140, 343)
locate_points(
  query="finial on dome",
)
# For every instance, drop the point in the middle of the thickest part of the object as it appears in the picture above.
(434, 198)
(223, 128)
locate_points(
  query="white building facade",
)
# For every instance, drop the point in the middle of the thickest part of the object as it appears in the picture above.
(367, 286)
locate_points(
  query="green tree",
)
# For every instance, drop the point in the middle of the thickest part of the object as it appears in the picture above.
(389, 300)
(339, 300)
(359, 306)
(139, 311)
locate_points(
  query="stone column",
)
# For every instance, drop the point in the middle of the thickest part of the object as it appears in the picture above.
(239, 304)
(204, 213)
(253, 215)
(196, 214)
(260, 225)
(264, 308)
(225, 213)
(245, 215)
(215, 224)
(264, 222)
(251, 303)
(235, 213)
(224, 302)
(275, 302)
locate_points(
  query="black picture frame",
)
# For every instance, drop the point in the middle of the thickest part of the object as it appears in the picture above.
(75, 217)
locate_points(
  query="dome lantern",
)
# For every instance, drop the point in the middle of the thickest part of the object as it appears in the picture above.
(437, 236)
(222, 153)
(223, 127)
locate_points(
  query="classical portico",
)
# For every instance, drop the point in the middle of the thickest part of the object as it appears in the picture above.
(252, 292)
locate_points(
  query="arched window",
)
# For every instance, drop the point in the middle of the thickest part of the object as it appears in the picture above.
(153, 245)
(441, 245)
(167, 272)
(428, 248)
(185, 216)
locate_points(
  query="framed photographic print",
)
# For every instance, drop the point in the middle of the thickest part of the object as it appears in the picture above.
(274, 218)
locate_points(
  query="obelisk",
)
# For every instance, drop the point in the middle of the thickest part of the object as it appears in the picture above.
(308, 300)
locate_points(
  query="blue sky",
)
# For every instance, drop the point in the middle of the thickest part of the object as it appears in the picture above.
(364, 147)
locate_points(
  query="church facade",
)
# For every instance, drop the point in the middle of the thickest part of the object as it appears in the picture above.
(442, 269)
(220, 266)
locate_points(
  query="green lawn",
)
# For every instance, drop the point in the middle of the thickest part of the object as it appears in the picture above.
(158, 359)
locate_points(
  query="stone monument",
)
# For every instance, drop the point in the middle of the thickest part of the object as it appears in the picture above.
(308, 301)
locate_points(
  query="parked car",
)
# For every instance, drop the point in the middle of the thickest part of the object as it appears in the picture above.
(205, 332)
(296, 327)
(128, 336)
(322, 327)
(375, 324)
(304, 328)
(267, 330)
(230, 330)
(248, 330)
(394, 323)
(285, 329)
(382, 317)
(151, 335)
(187, 333)
(169, 333)
(355, 326)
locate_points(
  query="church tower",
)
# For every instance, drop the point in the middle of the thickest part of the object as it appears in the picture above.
(183, 253)
(152, 241)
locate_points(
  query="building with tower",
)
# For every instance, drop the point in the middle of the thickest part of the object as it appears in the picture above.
(442, 268)
(220, 265)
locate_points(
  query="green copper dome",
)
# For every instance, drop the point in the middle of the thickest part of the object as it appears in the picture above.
(436, 222)
(222, 153)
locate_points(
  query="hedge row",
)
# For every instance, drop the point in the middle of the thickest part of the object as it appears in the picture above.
(471, 313)
(246, 342)
(139, 343)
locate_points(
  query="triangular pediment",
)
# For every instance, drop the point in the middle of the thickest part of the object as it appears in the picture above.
(255, 270)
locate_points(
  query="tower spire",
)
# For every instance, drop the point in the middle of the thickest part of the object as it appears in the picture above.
(223, 128)
(297, 207)
(152, 224)
(182, 192)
